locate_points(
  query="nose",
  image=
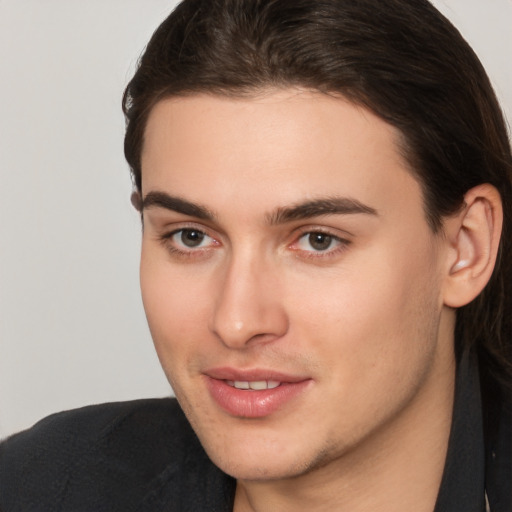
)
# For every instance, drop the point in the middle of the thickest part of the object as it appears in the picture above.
(248, 309)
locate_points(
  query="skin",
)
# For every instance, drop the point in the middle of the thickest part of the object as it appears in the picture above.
(363, 318)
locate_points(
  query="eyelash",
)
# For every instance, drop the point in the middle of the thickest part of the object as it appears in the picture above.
(341, 243)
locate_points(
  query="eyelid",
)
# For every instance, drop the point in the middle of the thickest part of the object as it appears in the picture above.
(170, 228)
(341, 234)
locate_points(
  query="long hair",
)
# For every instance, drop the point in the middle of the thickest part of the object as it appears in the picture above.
(399, 58)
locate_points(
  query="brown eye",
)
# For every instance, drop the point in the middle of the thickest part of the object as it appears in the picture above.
(189, 242)
(320, 241)
(191, 237)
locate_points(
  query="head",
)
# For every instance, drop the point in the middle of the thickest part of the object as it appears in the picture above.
(400, 61)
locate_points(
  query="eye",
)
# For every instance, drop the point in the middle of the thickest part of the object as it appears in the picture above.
(318, 241)
(189, 238)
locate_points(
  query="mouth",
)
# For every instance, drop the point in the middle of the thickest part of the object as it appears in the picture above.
(253, 393)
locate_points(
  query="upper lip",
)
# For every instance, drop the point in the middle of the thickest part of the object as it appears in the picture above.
(251, 375)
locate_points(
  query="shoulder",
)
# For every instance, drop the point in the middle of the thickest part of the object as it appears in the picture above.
(91, 453)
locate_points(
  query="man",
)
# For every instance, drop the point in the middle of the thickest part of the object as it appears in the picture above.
(325, 194)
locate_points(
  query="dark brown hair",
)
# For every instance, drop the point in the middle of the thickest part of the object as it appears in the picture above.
(400, 58)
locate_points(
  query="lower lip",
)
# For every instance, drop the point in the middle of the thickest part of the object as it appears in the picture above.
(250, 403)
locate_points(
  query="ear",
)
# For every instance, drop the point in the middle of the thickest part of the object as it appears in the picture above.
(136, 200)
(473, 235)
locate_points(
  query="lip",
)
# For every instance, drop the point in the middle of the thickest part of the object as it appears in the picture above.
(251, 403)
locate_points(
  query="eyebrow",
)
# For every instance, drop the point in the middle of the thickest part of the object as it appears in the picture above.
(318, 207)
(176, 204)
(314, 208)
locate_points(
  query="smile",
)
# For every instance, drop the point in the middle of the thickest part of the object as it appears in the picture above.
(253, 393)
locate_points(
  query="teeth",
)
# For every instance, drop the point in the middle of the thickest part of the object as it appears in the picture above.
(256, 385)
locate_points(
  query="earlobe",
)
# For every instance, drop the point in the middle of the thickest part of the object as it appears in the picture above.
(474, 234)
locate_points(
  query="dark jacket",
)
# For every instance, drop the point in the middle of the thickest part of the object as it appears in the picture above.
(144, 456)
(127, 456)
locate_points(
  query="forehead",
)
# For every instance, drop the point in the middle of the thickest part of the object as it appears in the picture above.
(272, 150)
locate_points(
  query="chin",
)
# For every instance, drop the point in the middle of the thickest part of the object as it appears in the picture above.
(266, 468)
(261, 458)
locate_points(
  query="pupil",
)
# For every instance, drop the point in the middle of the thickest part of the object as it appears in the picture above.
(319, 241)
(191, 238)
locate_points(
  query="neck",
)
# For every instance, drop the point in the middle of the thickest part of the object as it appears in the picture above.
(397, 468)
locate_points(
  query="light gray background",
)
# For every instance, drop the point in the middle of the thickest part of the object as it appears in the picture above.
(72, 327)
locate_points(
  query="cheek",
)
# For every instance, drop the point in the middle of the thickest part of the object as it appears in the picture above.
(373, 345)
(176, 320)
(377, 317)
(176, 307)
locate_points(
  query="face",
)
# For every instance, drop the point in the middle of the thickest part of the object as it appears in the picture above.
(291, 283)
